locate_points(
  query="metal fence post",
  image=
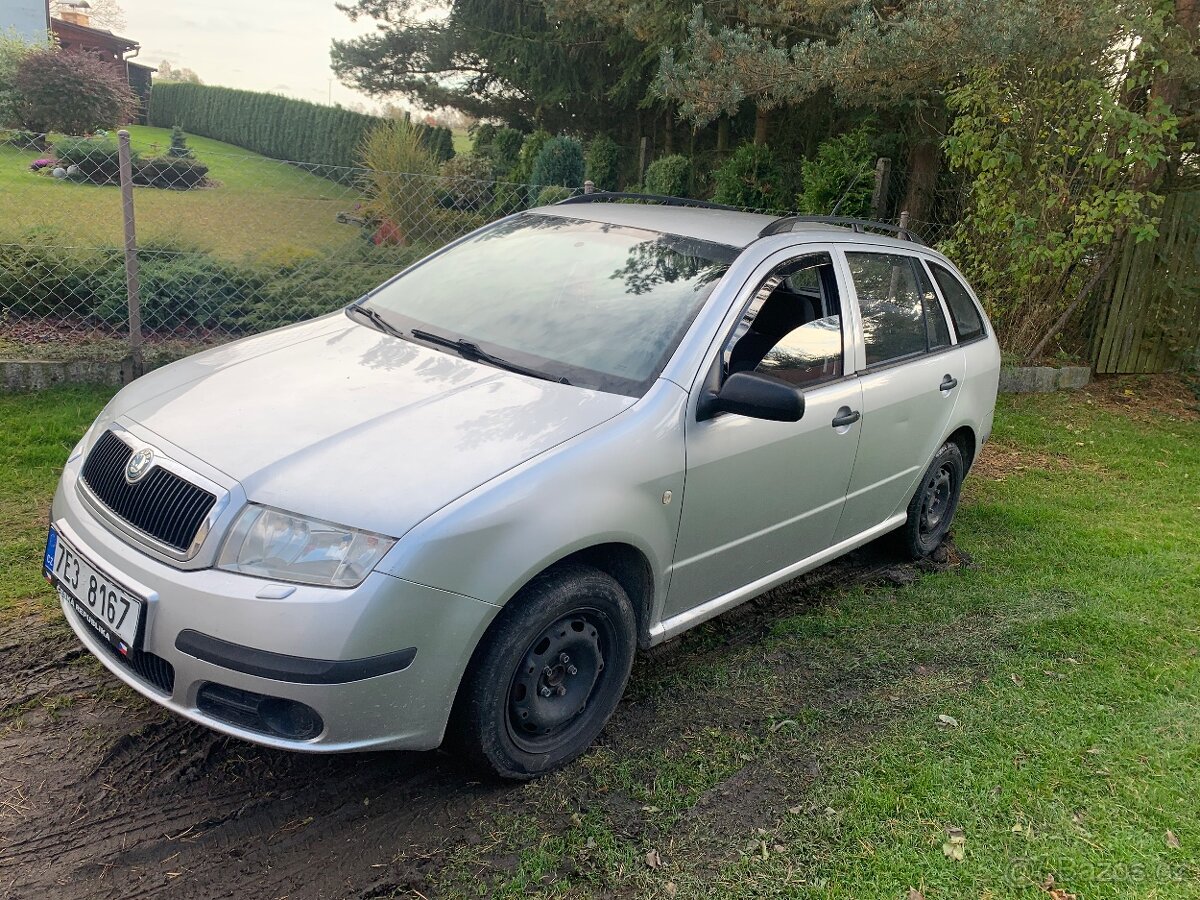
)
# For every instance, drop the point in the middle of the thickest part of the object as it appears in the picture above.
(132, 282)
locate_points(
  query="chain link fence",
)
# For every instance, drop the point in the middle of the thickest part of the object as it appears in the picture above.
(227, 244)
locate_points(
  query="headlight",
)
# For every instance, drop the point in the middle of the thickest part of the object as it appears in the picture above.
(273, 544)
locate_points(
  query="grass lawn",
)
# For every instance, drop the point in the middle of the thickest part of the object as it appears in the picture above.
(1022, 724)
(462, 140)
(258, 206)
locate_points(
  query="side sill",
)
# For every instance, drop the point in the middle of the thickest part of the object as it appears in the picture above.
(681, 622)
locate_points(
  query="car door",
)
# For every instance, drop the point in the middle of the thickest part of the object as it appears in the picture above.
(911, 375)
(762, 495)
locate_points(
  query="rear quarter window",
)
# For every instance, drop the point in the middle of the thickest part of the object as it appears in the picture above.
(968, 324)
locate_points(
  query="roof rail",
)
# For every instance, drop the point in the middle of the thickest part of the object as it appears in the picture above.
(660, 199)
(779, 226)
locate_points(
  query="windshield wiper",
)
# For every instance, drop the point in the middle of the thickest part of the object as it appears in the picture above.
(375, 318)
(470, 350)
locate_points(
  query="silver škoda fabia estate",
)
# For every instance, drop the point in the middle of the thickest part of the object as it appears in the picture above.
(455, 509)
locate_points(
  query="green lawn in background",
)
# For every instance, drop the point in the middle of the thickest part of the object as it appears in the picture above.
(258, 206)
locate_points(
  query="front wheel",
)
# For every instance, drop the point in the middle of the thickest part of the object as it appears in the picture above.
(933, 505)
(547, 676)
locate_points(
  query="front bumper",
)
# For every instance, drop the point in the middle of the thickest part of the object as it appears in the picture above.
(322, 640)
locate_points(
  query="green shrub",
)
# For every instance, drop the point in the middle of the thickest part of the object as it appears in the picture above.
(439, 141)
(507, 199)
(502, 146)
(170, 173)
(402, 188)
(560, 162)
(179, 148)
(39, 277)
(552, 193)
(97, 158)
(604, 163)
(839, 175)
(506, 152)
(184, 288)
(466, 182)
(531, 146)
(668, 176)
(482, 135)
(750, 178)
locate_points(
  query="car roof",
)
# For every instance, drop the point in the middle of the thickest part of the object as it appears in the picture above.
(720, 226)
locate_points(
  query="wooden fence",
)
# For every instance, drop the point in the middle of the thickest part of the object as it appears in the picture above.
(1148, 313)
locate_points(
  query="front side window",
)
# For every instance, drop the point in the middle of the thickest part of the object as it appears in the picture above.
(967, 323)
(900, 313)
(600, 306)
(792, 328)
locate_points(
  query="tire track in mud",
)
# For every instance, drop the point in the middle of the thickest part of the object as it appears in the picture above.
(107, 796)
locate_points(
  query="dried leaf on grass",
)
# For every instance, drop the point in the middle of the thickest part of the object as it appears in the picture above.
(955, 845)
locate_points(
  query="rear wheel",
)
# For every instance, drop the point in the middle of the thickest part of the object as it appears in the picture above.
(548, 675)
(933, 505)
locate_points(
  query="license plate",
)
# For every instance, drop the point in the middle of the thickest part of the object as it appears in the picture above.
(109, 609)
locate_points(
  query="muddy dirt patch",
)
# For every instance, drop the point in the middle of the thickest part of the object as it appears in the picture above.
(104, 794)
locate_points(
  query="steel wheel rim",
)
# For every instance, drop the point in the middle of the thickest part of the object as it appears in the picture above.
(935, 501)
(558, 676)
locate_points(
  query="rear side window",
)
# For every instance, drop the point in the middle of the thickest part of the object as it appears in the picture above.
(900, 314)
(936, 329)
(967, 322)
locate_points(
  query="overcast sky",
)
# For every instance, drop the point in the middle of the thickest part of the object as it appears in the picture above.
(263, 45)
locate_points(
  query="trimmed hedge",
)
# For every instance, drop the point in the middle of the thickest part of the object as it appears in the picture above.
(279, 127)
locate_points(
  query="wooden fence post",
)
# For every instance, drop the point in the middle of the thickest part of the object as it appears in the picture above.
(132, 282)
(879, 196)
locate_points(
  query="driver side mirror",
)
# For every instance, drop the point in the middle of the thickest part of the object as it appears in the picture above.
(753, 395)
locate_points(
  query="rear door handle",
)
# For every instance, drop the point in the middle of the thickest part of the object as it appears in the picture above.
(948, 384)
(846, 416)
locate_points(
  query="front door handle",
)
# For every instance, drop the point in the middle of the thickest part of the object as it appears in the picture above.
(948, 384)
(846, 416)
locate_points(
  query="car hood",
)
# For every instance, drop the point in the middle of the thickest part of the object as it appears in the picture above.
(335, 420)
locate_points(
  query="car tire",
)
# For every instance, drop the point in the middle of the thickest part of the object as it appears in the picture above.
(548, 674)
(932, 508)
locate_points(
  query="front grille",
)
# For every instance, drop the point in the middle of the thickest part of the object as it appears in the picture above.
(147, 666)
(162, 504)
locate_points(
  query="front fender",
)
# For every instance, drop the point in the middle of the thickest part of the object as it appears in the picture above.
(606, 485)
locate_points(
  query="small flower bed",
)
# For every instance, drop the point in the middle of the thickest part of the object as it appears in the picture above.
(96, 160)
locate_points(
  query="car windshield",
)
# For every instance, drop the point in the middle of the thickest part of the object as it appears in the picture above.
(597, 305)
